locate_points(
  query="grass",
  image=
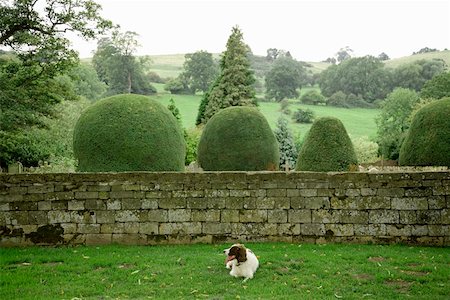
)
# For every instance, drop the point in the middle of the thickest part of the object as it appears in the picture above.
(287, 271)
(358, 121)
(444, 55)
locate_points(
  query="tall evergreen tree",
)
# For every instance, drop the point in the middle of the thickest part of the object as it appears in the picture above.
(234, 84)
(286, 144)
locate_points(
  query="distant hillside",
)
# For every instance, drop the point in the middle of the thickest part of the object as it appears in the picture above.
(171, 65)
(444, 55)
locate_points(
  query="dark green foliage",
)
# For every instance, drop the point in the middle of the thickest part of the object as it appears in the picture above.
(327, 148)
(192, 138)
(312, 97)
(414, 75)
(177, 86)
(438, 87)
(365, 76)
(200, 70)
(427, 142)
(234, 86)
(128, 133)
(286, 145)
(394, 121)
(303, 116)
(238, 139)
(284, 78)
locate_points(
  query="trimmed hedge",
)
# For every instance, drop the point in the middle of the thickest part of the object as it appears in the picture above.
(128, 133)
(326, 148)
(238, 138)
(427, 141)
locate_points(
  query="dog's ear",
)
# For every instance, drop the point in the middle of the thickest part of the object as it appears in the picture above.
(242, 254)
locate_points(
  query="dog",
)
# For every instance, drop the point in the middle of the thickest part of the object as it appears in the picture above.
(242, 261)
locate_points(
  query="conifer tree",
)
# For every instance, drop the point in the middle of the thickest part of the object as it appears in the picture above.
(234, 84)
(286, 145)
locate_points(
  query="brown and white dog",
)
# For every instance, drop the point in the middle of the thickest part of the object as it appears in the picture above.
(242, 261)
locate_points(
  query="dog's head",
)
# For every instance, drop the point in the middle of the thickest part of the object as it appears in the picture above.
(237, 251)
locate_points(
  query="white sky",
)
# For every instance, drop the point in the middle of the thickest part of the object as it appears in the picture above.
(310, 30)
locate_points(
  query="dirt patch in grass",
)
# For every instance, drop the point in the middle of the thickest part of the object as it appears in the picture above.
(399, 284)
(363, 276)
(127, 266)
(415, 273)
(52, 263)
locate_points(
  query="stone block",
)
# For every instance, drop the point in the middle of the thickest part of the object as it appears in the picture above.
(131, 203)
(265, 203)
(282, 203)
(38, 188)
(234, 203)
(229, 216)
(158, 215)
(58, 216)
(437, 230)
(149, 204)
(370, 229)
(88, 228)
(149, 228)
(179, 215)
(4, 207)
(69, 228)
(292, 192)
(288, 229)
(436, 202)
(83, 217)
(86, 195)
(37, 217)
(419, 230)
(75, 205)
(253, 216)
(445, 216)
(105, 216)
(210, 215)
(339, 230)
(408, 217)
(325, 216)
(121, 194)
(313, 229)
(171, 186)
(33, 197)
(239, 193)
(391, 192)
(129, 239)
(98, 239)
(127, 216)
(399, 230)
(353, 216)
(180, 228)
(384, 217)
(299, 216)
(418, 191)
(276, 193)
(113, 204)
(310, 202)
(44, 205)
(368, 192)
(429, 217)
(216, 228)
(277, 216)
(308, 192)
(215, 203)
(99, 188)
(217, 193)
(158, 195)
(172, 203)
(373, 202)
(24, 206)
(353, 192)
(112, 228)
(131, 227)
(197, 203)
(409, 203)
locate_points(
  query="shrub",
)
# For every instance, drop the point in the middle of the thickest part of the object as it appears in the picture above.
(154, 77)
(177, 86)
(438, 87)
(192, 137)
(303, 116)
(128, 133)
(327, 147)
(366, 150)
(338, 99)
(238, 138)
(427, 141)
(312, 97)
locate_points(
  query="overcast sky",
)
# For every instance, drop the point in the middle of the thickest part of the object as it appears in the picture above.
(310, 30)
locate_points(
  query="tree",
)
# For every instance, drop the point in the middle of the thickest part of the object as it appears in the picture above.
(200, 70)
(414, 75)
(327, 148)
(364, 76)
(284, 78)
(383, 56)
(428, 139)
(438, 87)
(344, 54)
(394, 121)
(117, 66)
(40, 52)
(234, 86)
(286, 144)
(313, 97)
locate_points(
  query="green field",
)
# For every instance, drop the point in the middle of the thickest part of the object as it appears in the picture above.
(444, 55)
(287, 271)
(358, 121)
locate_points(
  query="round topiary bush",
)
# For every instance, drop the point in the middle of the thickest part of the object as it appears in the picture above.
(238, 138)
(427, 141)
(128, 133)
(326, 148)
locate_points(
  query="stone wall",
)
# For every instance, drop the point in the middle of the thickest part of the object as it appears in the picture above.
(156, 208)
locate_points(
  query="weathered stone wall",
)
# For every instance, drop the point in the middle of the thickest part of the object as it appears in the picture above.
(154, 208)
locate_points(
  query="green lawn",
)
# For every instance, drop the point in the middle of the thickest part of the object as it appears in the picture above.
(358, 121)
(287, 271)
